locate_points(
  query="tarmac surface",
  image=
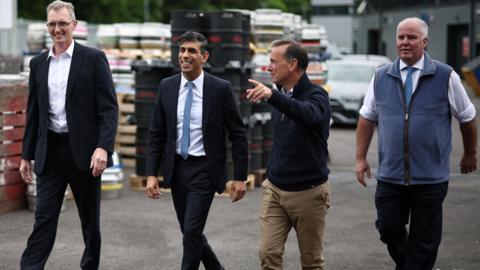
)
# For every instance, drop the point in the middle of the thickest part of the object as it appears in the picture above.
(140, 233)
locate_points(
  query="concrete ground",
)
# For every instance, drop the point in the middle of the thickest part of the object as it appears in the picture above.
(139, 233)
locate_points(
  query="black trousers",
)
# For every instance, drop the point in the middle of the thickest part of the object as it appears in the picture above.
(419, 205)
(59, 171)
(192, 193)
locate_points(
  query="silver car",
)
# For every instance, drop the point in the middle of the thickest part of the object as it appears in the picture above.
(348, 80)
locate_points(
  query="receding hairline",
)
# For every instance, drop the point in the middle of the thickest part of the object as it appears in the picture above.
(292, 50)
(58, 5)
(283, 42)
(423, 26)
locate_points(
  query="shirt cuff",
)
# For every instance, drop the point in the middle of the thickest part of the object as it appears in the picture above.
(367, 113)
(467, 115)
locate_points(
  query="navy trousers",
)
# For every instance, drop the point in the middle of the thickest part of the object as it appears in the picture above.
(192, 193)
(59, 171)
(419, 205)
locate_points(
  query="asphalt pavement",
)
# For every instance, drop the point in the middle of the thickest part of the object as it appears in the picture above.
(140, 233)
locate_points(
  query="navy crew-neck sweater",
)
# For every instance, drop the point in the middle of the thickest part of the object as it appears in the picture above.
(298, 160)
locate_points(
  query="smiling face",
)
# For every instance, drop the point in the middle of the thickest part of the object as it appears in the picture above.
(191, 59)
(62, 36)
(411, 42)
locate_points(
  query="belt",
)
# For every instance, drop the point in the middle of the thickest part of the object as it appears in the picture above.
(191, 158)
(61, 137)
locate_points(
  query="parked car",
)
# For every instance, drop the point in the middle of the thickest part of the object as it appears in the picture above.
(317, 72)
(348, 80)
(368, 57)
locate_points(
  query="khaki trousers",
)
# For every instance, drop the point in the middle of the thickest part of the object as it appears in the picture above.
(305, 211)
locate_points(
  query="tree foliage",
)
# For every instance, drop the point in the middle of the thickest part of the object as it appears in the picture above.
(112, 11)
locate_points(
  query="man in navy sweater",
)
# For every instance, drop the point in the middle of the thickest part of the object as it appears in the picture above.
(296, 193)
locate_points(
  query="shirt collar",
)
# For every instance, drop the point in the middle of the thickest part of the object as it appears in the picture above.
(198, 82)
(69, 51)
(418, 65)
(286, 91)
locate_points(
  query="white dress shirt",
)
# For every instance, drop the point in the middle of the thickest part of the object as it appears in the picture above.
(57, 89)
(195, 147)
(460, 105)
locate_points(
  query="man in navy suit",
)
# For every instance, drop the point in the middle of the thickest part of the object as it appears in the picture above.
(193, 113)
(70, 131)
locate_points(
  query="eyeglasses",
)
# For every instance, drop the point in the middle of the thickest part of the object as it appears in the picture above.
(53, 25)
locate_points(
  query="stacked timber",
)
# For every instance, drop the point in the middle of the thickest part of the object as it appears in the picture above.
(125, 141)
(13, 101)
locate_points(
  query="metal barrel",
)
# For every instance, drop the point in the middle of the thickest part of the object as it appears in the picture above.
(267, 129)
(224, 33)
(147, 80)
(181, 22)
(256, 149)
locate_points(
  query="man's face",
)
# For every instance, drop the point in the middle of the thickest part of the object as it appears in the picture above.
(279, 67)
(191, 59)
(410, 42)
(60, 26)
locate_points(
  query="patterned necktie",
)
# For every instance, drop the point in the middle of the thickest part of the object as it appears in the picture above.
(185, 141)
(409, 84)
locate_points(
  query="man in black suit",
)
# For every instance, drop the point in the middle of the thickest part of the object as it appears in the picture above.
(187, 136)
(71, 124)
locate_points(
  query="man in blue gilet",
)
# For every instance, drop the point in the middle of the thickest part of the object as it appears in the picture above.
(412, 101)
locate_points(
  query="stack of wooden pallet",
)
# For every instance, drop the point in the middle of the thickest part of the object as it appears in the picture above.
(13, 102)
(126, 131)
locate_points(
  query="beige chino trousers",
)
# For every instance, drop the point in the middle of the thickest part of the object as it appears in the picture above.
(305, 211)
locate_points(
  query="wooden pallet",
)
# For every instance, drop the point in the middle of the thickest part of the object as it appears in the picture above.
(16, 119)
(125, 144)
(9, 206)
(126, 133)
(128, 162)
(250, 185)
(13, 97)
(126, 108)
(125, 138)
(260, 175)
(126, 103)
(127, 129)
(138, 183)
(12, 197)
(126, 149)
(13, 103)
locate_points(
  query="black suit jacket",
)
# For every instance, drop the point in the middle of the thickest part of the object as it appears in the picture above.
(90, 105)
(220, 114)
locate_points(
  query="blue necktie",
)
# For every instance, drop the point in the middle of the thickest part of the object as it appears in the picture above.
(187, 110)
(409, 84)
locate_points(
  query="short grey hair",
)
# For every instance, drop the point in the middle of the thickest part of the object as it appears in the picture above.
(423, 25)
(57, 5)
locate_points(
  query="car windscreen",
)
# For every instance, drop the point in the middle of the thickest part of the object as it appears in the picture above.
(350, 73)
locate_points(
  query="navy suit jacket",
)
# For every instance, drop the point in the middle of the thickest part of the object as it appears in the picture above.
(90, 105)
(220, 116)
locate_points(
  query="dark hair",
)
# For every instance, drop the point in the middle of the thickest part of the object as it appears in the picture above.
(294, 50)
(192, 36)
